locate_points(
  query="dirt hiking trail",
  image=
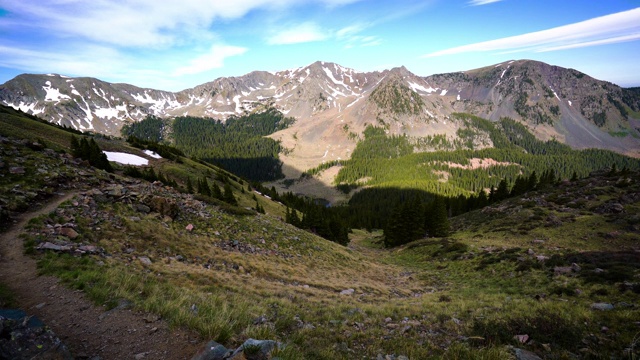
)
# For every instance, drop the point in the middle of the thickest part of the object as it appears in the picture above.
(88, 331)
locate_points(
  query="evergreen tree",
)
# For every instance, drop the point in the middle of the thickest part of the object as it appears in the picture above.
(189, 185)
(482, 199)
(532, 183)
(76, 150)
(492, 195)
(97, 158)
(216, 192)
(503, 190)
(438, 222)
(574, 177)
(203, 187)
(413, 219)
(228, 195)
(520, 186)
(395, 231)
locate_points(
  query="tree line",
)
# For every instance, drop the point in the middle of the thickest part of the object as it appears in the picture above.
(238, 144)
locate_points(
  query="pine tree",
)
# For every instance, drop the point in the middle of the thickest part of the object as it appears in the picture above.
(97, 158)
(76, 151)
(295, 219)
(393, 231)
(189, 186)
(574, 177)
(260, 209)
(228, 195)
(439, 222)
(482, 199)
(519, 187)
(492, 195)
(503, 190)
(216, 192)
(532, 182)
(203, 187)
(413, 219)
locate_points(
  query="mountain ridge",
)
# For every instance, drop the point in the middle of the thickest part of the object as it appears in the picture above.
(333, 104)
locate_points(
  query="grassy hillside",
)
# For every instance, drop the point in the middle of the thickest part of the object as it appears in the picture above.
(554, 271)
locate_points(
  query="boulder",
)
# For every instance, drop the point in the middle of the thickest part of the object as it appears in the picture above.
(562, 270)
(142, 208)
(212, 351)
(17, 170)
(255, 350)
(602, 306)
(68, 232)
(50, 246)
(522, 354)
(347, 292)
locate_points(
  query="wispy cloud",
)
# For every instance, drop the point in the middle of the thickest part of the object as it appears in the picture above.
(66, 61)
(299, 33)
(351, 37)
(619, 27)
(138, 23)
(135, 41)
(482, 2)
(211, 60)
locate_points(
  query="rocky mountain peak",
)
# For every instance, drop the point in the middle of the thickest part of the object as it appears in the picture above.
(326, 98)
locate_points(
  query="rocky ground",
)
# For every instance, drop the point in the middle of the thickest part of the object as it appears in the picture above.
(88, 331)
(61, 323)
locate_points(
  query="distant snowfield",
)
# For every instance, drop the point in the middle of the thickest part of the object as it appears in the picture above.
(152, 154)
(126, 159)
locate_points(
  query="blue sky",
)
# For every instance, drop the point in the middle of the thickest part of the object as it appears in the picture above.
(173, 45)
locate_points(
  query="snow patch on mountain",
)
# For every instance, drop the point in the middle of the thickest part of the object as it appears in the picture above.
(53, 94)
(152, 154)
(419, 88)
(27, 108)
(126, 159)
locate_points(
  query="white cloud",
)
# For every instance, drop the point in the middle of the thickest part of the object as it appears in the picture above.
(137, 23)
(301, 33)
(608, 29)
(211, 60)
(69, 61)
(482, 2)
(351, 30)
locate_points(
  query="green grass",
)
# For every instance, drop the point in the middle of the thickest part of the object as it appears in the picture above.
(20, 127)
(620, 134)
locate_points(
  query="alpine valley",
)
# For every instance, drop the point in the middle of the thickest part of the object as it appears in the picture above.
(489, 214)
(333, 105)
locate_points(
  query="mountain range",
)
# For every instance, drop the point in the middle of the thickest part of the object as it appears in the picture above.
(332, 105)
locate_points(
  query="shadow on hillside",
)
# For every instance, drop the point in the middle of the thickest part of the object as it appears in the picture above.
(260, 169)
